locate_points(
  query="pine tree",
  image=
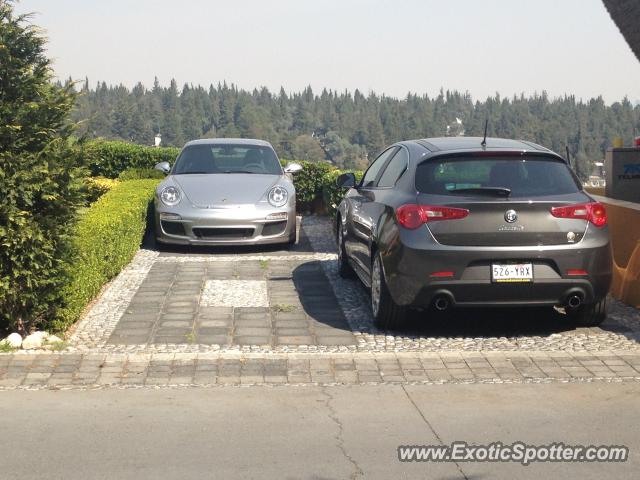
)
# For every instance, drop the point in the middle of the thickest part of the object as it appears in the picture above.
(39, 170)
(364, 124)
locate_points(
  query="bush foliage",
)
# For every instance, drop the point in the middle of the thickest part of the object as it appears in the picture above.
(332, 194)
(111, 158)
(308, 182)
(106, 238)
(317, 182)
(98, 186)
(41, 179)
(140, 174)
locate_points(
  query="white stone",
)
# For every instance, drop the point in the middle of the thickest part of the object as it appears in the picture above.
(34, 340)
(14, 340)
(52, 340)
(235, 293)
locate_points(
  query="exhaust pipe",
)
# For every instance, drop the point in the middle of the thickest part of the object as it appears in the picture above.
(574, 301)
(441, 303)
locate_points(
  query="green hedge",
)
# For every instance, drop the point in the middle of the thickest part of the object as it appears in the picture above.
(309, 182)
(317, 182)
(106, 238)
(331, 193)
(140, 174)
(110, 158)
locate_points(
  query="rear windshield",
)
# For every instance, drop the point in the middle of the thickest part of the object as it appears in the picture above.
(524, 177)
(227, 159)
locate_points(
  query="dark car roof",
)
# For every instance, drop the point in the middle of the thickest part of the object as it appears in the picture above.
(229, 141)
(442, 144)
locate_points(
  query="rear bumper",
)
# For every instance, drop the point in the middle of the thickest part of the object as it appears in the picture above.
(408, 268)
(487, 294)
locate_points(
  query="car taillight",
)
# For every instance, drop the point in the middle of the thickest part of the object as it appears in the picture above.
(411, 216)
(577, 272)
(593, 212)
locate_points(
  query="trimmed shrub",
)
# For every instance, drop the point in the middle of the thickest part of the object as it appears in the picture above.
(331, 194)
(106, 238)
(140, 174)
(308, 182)
(110, 158)
(98, 186)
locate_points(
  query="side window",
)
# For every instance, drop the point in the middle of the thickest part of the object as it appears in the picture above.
(395, 169)
(369, 178)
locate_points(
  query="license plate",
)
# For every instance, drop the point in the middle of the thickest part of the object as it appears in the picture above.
(512, 272)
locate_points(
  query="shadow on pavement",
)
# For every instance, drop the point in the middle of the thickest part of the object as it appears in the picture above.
(497, 322)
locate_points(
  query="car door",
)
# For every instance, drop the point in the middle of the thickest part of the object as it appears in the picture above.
(381, 196)
(362, 210)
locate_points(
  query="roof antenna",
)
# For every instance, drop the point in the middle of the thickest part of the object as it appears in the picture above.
(484, 140)
(568, 156)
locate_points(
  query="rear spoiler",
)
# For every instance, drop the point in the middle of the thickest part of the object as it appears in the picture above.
(495, 153)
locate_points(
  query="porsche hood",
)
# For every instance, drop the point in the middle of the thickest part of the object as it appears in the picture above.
(225, 190)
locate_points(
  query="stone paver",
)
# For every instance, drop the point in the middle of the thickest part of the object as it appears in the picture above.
(61, 371)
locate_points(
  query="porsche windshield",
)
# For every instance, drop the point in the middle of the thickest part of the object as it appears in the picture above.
(223, 159)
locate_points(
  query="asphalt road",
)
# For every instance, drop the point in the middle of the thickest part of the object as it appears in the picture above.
(308, 432)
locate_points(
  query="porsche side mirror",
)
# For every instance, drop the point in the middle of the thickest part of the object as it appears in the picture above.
(164, 167)
(346, 180)
(292, 168)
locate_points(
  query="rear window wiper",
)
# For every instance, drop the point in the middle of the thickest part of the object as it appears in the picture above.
(498, 191)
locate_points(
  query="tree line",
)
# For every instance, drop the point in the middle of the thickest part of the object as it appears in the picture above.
(348, 128)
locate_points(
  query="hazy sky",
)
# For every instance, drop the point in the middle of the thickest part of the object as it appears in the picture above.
(390, 47)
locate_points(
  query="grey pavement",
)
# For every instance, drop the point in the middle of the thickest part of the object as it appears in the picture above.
(310, 432)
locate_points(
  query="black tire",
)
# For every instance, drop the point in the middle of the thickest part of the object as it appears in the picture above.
(387, 315)
(590, 315)
(158, 245)
(293, 237)
(344, 268)
(292, 240)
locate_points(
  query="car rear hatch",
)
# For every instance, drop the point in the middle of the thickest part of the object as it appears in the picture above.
(508, 198)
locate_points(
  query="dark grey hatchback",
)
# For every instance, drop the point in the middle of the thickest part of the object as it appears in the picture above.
(452, 222)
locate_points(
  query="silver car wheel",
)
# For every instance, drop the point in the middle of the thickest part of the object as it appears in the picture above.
(376, 286)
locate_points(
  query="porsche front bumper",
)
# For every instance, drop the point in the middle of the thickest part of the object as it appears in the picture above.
(236, 225)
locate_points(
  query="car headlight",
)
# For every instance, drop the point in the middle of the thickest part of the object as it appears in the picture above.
(170, 196)
(278, 196)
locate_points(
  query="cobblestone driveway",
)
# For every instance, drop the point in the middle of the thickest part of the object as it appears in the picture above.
(271, 300)
(265, 303)
(270, 316)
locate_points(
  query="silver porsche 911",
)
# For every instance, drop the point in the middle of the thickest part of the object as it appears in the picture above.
(226, 191)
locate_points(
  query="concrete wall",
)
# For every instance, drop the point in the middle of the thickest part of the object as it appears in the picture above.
(624, 225)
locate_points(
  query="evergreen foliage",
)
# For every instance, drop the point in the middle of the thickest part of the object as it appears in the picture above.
(41, 182)
(345, 128)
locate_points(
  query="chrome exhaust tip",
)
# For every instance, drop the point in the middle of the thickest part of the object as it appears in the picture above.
(574, 301)
(441, 303)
